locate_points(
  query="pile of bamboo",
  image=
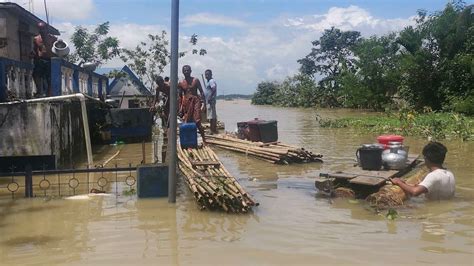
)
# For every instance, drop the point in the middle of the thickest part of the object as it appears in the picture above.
(274, 152)
(391, 195)
(212, 185)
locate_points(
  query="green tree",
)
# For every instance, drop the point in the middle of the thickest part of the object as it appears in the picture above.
(329, 56)
(437, 58)
(297, 91)
(265, 93)
(149, 58)
(377, 74)
(93, 47)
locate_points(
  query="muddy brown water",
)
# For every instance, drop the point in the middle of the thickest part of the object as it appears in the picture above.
(291, 226)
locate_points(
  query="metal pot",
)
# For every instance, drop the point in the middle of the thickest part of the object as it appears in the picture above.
(395, 157)
(60, 48)
(90, 66)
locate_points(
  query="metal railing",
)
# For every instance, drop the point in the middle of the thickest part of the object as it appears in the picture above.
(68, 78)
(68, 182)
(16, 80)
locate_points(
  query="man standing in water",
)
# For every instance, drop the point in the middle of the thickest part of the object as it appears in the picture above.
(439, 184)
(164, 88)
(190, 103)
(211, 92)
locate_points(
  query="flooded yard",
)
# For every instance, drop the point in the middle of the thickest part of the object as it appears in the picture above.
(291, 226)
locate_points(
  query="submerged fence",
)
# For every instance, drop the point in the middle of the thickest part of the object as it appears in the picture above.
(68, 182)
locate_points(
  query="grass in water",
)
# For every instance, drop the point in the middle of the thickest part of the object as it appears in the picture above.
(432, 125)
(129, 192)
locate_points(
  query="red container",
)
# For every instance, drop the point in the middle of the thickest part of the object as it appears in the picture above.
(385, 139)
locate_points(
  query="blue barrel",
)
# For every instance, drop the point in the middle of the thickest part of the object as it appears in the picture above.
(188, 135)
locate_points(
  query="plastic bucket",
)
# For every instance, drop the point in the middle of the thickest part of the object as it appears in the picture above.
(370, 158)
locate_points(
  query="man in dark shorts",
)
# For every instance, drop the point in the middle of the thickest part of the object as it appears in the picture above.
(42, 53)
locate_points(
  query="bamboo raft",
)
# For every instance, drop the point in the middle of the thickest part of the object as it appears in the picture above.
(212, 185)
(274, 152)
(373, 186)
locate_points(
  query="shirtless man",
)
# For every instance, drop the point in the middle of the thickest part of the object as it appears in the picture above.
(42, 53)
(190, 103)
(190, 83)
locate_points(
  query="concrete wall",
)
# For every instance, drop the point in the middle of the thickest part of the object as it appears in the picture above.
(9, 31)
(10, 37)
(43, 129)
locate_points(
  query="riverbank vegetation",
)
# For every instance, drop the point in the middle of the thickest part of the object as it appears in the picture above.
(427, 124)
(229, 97)
(429, 65)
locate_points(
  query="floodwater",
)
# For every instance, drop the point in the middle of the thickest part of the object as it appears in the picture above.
(291, 226)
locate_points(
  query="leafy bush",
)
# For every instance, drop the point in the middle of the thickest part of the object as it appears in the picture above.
(464, 106)
(265, 93)
(430, 125)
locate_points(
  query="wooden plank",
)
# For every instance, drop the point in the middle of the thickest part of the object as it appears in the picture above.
(205, 163)
(342, 175)
(380, 174)
(385, 174)
(367, 180)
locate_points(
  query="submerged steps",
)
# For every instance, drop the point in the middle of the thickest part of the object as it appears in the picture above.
(274, 152)
(212, 185)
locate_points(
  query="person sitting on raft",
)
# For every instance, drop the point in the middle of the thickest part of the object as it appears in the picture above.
(439, 183)
(190, 103)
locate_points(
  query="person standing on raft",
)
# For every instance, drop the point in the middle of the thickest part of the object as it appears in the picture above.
(211, 92)
(190, 102)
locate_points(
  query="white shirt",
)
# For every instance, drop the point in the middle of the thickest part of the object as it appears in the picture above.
(210, 88)
(440, 184)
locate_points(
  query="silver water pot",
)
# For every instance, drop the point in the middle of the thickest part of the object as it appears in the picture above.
(395, 157)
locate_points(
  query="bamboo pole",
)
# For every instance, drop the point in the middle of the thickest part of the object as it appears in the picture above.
(213, 186)
(391, 195)
(272, 152)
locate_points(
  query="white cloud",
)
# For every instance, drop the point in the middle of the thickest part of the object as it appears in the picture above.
(266, 51)
(212, 19)
(350, 18)
(60, 9)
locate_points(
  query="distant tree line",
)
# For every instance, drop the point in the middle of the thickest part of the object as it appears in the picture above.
(234, 96)
(428, 65)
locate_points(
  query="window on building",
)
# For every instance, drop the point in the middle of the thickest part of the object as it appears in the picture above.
(25, 41)
(134, 103)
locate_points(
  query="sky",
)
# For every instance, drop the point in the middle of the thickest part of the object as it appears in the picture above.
(247, 41)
